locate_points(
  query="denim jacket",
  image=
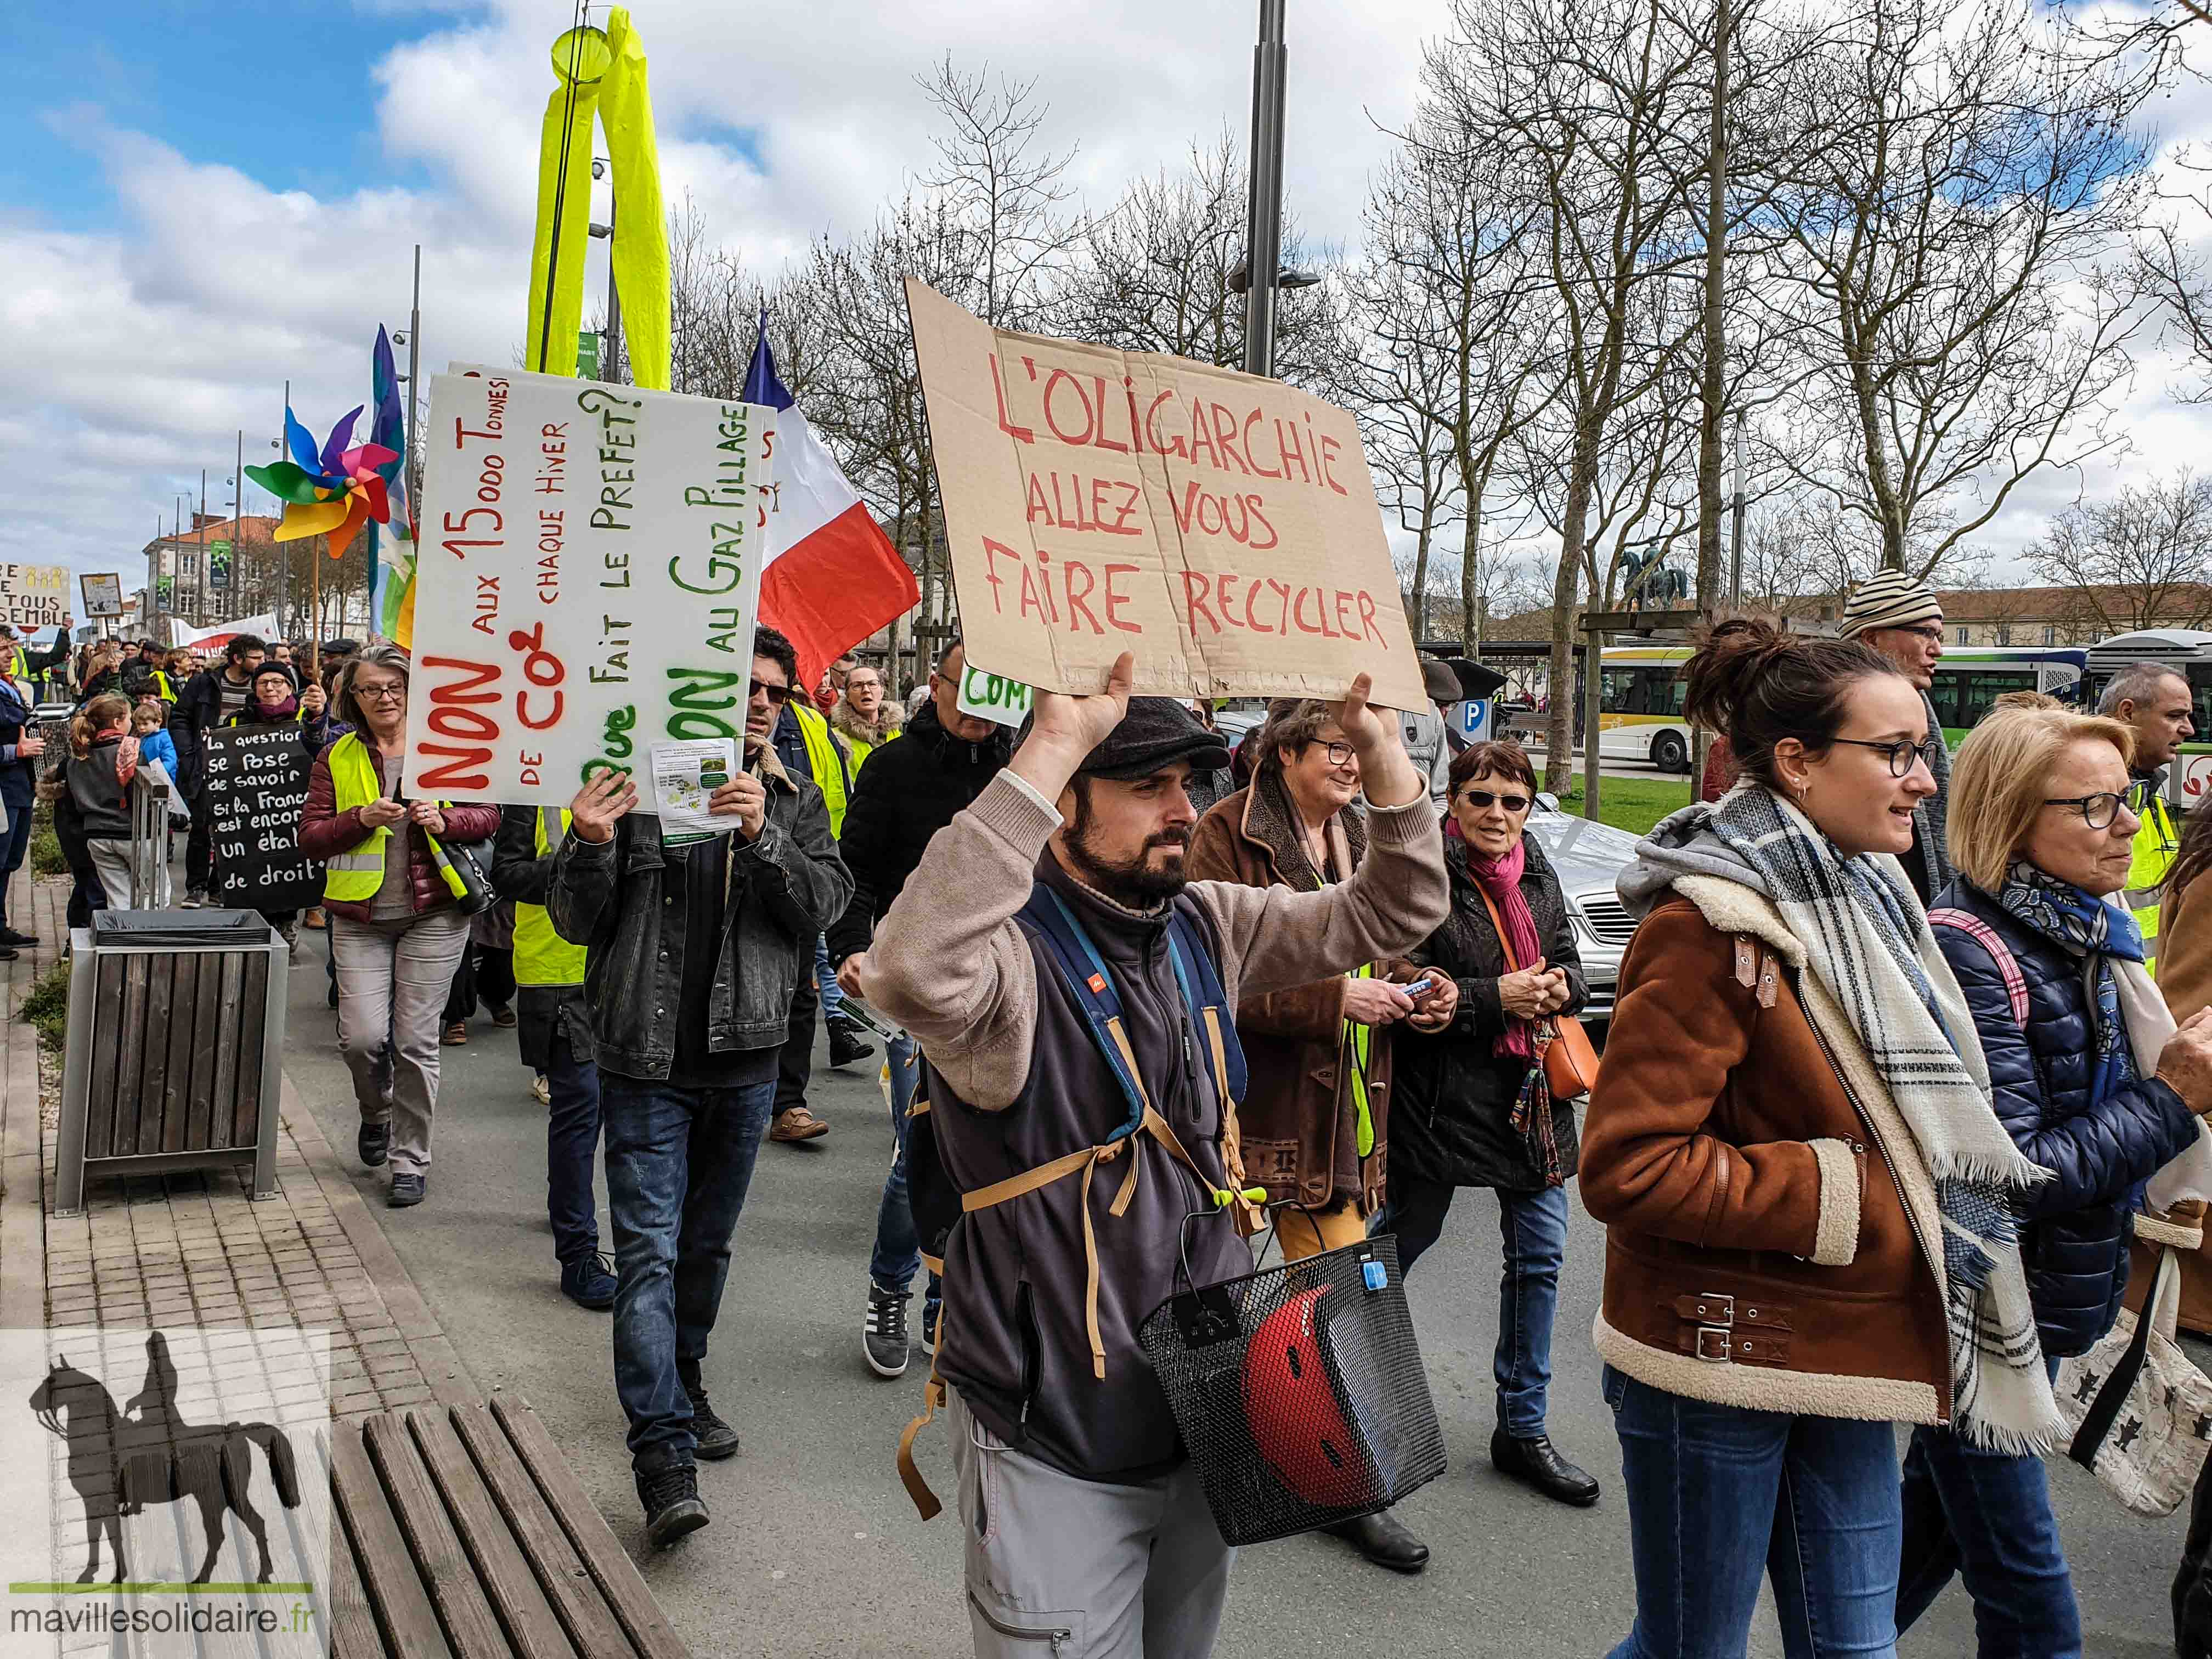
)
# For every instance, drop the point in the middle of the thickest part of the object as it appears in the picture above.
(616, 896)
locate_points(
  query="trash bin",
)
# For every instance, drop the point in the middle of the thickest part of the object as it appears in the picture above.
(176, 1036)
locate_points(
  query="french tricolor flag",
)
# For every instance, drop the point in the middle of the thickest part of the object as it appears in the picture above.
(831, 577)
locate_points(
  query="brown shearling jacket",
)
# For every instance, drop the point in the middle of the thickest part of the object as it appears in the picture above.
(1763, 1249)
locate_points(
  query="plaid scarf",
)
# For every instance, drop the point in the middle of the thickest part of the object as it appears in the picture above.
(1867, 942)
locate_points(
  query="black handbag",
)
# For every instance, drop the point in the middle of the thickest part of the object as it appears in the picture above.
(461, 863)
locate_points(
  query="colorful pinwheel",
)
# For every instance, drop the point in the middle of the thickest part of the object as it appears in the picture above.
(333, 492)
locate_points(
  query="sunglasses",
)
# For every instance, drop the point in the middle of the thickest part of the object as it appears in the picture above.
(777, 695)
(1485, 799)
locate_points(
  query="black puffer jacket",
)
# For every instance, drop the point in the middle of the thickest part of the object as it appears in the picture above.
(911, 789)
(2075, 1240)
(1450, 1122)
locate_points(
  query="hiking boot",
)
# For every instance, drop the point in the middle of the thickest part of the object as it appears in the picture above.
(407, 1191)
(797, 1123)
(714, 1439)
(373, 1143)
(588, 1280)
(845, 1042)
(194, 898)
(672, 1506)
(456, 1034)
(883, 1332)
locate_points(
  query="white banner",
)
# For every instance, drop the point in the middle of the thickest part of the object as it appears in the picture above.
(587, 575)
(222, 634)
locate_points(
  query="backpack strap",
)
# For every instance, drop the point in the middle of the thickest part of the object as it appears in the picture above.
(1990, 939)
(1046, 919)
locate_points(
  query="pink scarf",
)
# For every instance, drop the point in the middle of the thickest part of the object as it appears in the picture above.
(1501, 880)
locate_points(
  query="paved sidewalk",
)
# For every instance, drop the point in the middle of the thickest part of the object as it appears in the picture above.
(194, 1248)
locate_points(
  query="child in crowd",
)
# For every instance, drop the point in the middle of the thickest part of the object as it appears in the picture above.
(103, 758)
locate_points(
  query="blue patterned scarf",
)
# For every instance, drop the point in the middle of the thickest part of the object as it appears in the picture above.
(2086, 927)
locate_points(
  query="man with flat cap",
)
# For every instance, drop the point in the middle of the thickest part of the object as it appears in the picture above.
(1077, 1159)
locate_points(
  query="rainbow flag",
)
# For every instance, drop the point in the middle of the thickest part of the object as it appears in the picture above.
(391, 546)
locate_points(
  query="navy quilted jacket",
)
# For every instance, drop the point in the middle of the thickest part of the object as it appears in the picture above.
(2074, 1236)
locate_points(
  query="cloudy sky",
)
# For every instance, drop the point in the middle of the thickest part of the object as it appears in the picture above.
(201, 201)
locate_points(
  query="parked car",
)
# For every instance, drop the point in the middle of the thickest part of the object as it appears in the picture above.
(1588, 856)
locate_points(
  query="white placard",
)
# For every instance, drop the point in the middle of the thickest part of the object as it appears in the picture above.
(685, 777)
(587, 581)
(994, 696)
(103, 594)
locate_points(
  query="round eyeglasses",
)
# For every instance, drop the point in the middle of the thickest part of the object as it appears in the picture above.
(2099, 810)
(1901, 753)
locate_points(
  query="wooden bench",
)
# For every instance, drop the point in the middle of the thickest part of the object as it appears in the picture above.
(460, 1532)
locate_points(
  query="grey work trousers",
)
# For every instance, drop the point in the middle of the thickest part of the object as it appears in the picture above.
(1081, 1569)
(393, 980)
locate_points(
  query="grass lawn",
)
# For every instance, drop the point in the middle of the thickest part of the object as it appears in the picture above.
(1631, 804)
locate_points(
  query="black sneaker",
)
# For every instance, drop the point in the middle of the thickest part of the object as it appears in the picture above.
(373, 1143)
(712, 1438)
(883, 1334)
(408, 1190)
(672, 1504)
(194, 898)
(589, 1281)
(10, 936)
(845, 1042)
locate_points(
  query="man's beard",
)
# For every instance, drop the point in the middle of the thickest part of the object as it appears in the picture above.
(1131, 883)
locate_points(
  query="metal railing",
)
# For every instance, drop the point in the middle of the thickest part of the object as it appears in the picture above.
(151, 791)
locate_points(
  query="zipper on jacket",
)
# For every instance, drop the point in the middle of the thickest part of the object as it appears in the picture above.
(1056, 1637)
(1025, 1324)
(1912, 1221)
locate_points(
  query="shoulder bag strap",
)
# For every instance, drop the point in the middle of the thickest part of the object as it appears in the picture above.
(2097, 1422)
(2008, 965)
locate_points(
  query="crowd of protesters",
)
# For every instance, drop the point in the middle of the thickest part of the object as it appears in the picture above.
(1886, 1080)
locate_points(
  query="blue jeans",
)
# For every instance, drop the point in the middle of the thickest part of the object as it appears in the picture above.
(825, 980)
(1986, 1517)
(1719, 1496)
(1534, 1225)
(18, 793)
(678, 1163)
(897, 1255)
(572, 1140)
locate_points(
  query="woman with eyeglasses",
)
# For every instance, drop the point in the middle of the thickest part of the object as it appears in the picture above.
(2095, 1085)
(1807, 1194)
(396, 935)
(1472, 1109)
(1315, 1118)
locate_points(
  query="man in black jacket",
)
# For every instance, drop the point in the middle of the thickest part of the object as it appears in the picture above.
(694, 947)
(910, 788)
(214, 695)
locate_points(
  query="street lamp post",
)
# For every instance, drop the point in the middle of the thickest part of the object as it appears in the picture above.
(1263, 234)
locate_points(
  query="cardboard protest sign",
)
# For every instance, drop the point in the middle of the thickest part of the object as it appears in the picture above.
(256, 789)
(103, 594)
(33, 595)
(1221, 526)
(994, 696)
(588, 576)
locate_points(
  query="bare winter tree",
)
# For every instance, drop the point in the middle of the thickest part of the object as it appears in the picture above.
(2171, 267)
(1591, 112)
(2141, 559)
(1969, 176)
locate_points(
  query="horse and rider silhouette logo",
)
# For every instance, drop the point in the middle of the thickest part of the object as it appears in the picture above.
(123, 1463)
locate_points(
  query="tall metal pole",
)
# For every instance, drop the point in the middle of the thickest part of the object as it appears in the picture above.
(282, 549)
(200, 533)
(412, 463)
(611, 369)
(1263, 222)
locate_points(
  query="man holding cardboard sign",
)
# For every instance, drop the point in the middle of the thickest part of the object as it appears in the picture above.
(1220, 526)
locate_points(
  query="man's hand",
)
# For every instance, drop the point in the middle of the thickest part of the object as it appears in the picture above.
(1064, 728)
(381, 812)
(1386, 775)
(746, 797)
(1375, 1002)
(849, 976)
(1434, 1012)
(30, 745)
(604, 797)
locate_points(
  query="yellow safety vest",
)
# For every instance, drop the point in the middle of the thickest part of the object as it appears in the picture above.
(162, 688)
(542, 956)
(353, 877)
(2157, 840)
(822, 761)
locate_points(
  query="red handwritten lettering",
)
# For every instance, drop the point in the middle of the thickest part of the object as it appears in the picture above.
(1194, 598)
(1061, 377)
(1020, 434)
(1075, 599)
(1116, 601)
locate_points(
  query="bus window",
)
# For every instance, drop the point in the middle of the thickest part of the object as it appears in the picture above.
(1944, 695)
(1620, 691)
(1977, 691)
(1664, 688)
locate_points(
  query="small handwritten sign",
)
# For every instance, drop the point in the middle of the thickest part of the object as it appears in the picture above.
(1221, 526)
(256, 791)
(994, 696)
(587, 579)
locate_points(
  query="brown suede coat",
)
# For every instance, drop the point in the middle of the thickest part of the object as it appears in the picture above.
(1762, 1249)
(1298, 1119)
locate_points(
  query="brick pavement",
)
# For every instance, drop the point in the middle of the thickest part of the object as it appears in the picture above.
(194, 1248)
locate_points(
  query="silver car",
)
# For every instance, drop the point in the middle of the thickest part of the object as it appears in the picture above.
(1587, 856)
